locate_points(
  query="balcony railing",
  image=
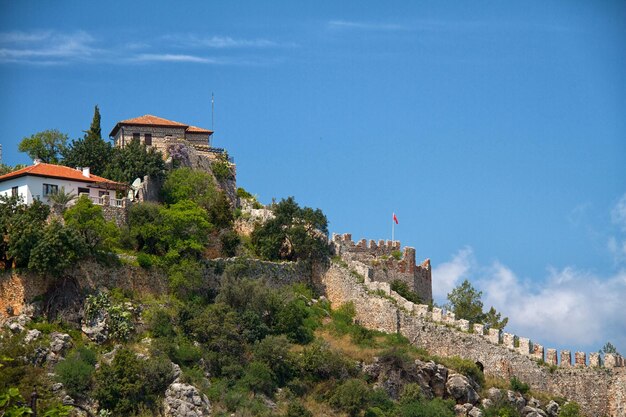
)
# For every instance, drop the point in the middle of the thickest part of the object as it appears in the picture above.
(105, 200)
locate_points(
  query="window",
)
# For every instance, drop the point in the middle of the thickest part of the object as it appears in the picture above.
(49, 189)
(14, 192)
(102, 193)
(148, 139)
(83, 191)
(136, 136)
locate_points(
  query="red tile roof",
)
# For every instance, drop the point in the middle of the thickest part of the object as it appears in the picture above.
(150, 120)
(56, 171)
(196, 129)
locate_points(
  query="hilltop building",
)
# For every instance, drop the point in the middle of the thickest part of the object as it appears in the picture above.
(158, 133)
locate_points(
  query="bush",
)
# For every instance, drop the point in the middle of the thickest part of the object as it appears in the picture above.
(274, 351)
(130, 383)
(296, 409)
(434, 408)
(519, 386)
(76, 371)
(259, 378)
(88, 221)
(144, 260)
(320, 363)
(402, 288)
(570, 409)
(501, 410)
(352, 396)
(230, 242)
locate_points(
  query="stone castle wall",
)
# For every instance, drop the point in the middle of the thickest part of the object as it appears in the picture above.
(599, 390)
(385, 264)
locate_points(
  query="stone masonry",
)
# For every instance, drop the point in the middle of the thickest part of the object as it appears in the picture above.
(387, 263)
(599, 390)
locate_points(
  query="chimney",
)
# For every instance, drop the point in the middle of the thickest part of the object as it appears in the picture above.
(36, 161)
(86, 172)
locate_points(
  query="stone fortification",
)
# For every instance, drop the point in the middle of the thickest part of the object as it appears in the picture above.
(597, 387)
(386, 262)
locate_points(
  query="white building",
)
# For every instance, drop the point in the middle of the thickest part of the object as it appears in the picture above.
(39, 181)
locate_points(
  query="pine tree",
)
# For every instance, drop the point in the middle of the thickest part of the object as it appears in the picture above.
(91, 151)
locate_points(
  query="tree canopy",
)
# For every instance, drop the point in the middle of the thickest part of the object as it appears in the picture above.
(48, 146)
(465, 302)
(134, 161)
(90, 151)
(294, 233)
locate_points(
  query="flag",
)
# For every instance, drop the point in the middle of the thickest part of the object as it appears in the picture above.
(395, 219)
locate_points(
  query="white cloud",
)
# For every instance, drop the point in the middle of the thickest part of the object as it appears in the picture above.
(175, 58)
(220, 42)
(449, 274)
(345, 24)
(568, 307)
(46, 46)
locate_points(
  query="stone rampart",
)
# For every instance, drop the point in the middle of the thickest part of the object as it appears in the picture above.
(388, 262)
(501, 354)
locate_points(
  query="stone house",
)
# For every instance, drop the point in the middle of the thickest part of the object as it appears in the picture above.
(40, 180)
(158, 133)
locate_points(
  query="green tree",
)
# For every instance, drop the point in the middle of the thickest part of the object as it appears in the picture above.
(5, 169)
(190, 184)
(464, 301)
(134, 161)
(608, 348)
(352, 396)
(145, 223)
(21, 227)
(493, 319)
(186, 228)
(87, 219)
(294, 233)
(48, 146)
(90, 151)
(57, 249)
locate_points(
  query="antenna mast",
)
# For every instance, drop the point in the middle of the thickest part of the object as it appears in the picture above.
(212, 111)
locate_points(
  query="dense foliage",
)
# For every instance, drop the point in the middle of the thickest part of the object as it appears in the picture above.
(465, 302)
(294, 233)
(47, 146)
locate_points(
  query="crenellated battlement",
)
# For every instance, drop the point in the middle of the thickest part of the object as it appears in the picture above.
(387, 261)
(380, 264)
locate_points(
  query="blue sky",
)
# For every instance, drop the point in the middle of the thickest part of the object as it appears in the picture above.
(495, 130)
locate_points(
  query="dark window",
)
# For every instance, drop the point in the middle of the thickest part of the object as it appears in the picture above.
(102, 193)
(83, 190)
(136, 136)
(14, 192)
(49, 189)
(148, 139)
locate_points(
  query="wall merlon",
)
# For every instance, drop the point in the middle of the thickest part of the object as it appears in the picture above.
(449, 318)
(566, 358)
(508, 339)
(437, 314)
(421, 310)
(479, 329)
(551, 357)
(463, 325)
(494, 336)
(594, 359)
(537, 351)
(580, 359)
(524, 346)
(610, 360)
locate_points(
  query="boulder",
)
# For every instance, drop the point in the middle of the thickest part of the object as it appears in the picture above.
(60, 342)
(32, 335)
(475, 412)
(553, 409)
(515, 399)
(184, 400)
(459, 387)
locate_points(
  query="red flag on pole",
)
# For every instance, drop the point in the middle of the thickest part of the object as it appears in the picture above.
(395, 219)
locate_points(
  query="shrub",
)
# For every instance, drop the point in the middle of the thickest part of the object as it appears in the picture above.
(129, 383)
(274, 352)
(76, 371)
(396, 254)
(87, 219)
(352, 396)
(501, 410)
(434, 408)
(230, 242)
(519, 386)
(144, 260)
(403, 289)
(259, 378)
(320, 363)
(296, 409)
(465, 367)
(570, 409)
